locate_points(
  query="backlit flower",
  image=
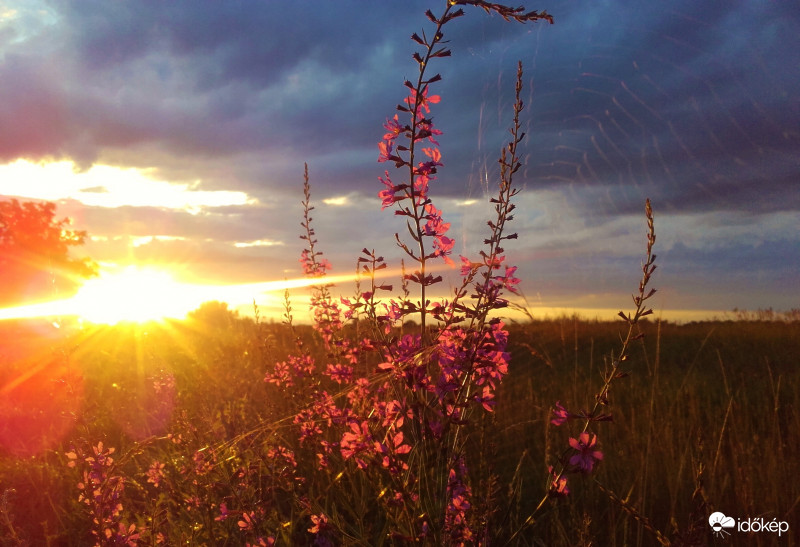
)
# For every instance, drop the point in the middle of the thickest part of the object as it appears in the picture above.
(560, 415)
(155, 473)
(587, 454)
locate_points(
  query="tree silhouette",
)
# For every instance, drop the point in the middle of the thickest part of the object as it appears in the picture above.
(214, 315)
(34, 253)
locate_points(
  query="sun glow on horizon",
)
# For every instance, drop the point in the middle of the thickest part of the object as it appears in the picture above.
(131, 294)
(134, 294)
(140, 294)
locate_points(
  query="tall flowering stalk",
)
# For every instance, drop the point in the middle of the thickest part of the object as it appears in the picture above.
(460, 365)
(411, 198)
(404, 425)
(583, 452)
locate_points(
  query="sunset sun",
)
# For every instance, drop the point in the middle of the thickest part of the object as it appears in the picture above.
(134, 294)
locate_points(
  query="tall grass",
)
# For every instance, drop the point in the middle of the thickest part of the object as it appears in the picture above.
(703, 423)
(718, 396)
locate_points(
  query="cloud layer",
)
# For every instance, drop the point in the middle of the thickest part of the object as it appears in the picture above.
(688, 103)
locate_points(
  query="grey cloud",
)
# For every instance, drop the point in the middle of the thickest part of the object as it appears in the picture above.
(33, 113)
(772, 258)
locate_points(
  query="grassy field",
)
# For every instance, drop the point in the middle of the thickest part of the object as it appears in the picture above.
(707, 420)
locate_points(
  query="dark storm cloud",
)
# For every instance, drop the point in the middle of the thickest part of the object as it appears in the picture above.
(675, 101)
(688, 102)
(239, 41)
(227, 77)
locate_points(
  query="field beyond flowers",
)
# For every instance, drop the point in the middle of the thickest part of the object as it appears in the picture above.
(180, 428)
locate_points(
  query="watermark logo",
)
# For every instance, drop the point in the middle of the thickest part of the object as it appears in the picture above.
(723, 525)
(719, 522)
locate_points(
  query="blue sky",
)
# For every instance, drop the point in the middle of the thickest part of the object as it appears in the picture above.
(176, 132)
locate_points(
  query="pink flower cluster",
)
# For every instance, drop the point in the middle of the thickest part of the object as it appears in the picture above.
(101, 492)
(286, 373)
(421, 174)
(481, 355)
(313, 266)
(456, 524)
